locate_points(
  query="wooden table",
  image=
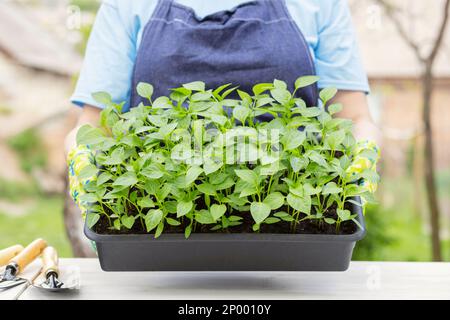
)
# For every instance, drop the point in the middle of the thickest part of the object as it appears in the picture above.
(364, 280)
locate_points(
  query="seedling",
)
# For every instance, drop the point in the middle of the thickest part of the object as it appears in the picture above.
(201, 161)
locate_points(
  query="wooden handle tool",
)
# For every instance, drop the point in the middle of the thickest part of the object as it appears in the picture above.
(50, 261)
(7, 254)
(27, 255)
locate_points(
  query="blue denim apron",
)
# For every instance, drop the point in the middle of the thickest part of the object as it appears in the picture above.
(255, 42)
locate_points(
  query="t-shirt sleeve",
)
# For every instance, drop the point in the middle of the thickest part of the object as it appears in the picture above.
(338, 60)
(109, 59)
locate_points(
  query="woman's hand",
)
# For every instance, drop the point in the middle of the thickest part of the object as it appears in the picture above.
(79, 157)
(367, 155)
(356, 108)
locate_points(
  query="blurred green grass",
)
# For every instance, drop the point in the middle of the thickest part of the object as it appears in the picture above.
(86, 5)
(44, 219)
(30, 150)
(396, 228)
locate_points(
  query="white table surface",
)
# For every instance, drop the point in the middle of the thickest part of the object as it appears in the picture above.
(364, 280)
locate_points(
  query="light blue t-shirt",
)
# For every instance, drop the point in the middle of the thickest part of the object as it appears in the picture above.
(116, 36)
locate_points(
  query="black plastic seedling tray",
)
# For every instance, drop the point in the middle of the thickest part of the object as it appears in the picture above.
(227, 252)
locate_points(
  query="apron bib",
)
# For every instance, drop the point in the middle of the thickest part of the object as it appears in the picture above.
(254, 42)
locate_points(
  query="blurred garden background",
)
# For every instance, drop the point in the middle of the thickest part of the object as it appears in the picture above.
(41, 51)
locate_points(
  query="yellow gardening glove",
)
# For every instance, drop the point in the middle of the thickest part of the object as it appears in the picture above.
(362, 163)
(78, 159)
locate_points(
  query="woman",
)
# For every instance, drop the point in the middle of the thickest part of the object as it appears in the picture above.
(171, 42)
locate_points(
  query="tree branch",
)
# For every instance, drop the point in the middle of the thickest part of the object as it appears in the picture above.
(391, 11)
(440, 37)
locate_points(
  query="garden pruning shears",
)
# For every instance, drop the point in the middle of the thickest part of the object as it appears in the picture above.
(19, 262)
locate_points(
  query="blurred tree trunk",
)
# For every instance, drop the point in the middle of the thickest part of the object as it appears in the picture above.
(433, 203)
(427, 77)
(418, 173)
(74, 227)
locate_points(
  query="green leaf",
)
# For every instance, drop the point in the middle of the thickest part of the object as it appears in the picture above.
(356, 203)
(293, 139)
(305, 81)
(317, 158)
(207, 189)
(264, 101)
(327, 94)
(103, 178)
(117, 157)
(260, 211)
(117, 225)
(331, 188)
(241, 113)
(217, 211)
(298, 163)
(102, 98)
(357, 222)
(301, 204)
(146, 203)
(284, 216)
(245, 97)
(126, 180)
(217, 91)
(248, 176)
(219, 119)
(170, 206)
(195, 86)
(88, 135)
(183, 208)
(228, 183)
(192, 174)
(310, 190)
(228, 92)
(330, 221)
(311, 112)
(88, 172)
(201, 96)
(281, 95)
(159, 229)
(181, 152)
(162, 103)
(173, 222)
(271, 220)
(145, 90)
(88, 198)
(335, 139)
(211, 166)
(167, 129)
(262, 87)
(248, 191)
(344, 215)
(370, 175)
(152, 219)
(127, 221)
(92, 219)
(157, 121)
(153, 171)
(188, 231)
(275, 200)
(278, 84)
(204, 217)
